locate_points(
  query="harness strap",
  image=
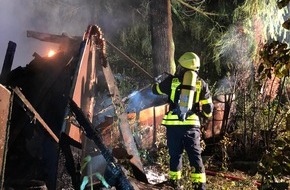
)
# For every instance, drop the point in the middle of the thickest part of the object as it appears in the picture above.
(188, 87)
(198, 90)
(175, 83)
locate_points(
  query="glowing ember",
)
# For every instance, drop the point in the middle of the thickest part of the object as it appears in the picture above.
(51, 53)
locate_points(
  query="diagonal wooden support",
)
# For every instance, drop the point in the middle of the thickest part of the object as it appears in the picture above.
(17, 91)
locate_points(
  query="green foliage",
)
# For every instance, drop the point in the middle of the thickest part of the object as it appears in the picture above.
(224, 144)
(228, 43)
(125, 83)
(253, 22)
(197, 27)
(275, 60)
(126, 26)
(266, 12)
(163, 160)
(275, 163)
(137, 41)
(237, 41)
(218, 182)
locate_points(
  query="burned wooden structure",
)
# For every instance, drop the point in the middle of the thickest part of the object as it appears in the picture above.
(41, 145)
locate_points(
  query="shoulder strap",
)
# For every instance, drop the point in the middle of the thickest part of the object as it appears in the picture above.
(198, 90)
(174, 84)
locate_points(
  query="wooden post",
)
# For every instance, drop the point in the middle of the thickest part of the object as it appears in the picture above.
(8, 61)
(5, 112)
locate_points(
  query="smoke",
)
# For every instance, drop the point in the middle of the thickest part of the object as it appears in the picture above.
(48, 16)
(238, 47)
(55, 17)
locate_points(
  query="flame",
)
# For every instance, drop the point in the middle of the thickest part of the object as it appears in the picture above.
(51, 53)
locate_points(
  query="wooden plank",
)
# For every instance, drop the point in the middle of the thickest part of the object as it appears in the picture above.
(5, 105)
(146, 116)
(83, 92)
(149, 121)
(145, 132)
(159, 112)
(124, 126)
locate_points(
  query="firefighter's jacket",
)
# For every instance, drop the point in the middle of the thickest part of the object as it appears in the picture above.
(202, 106)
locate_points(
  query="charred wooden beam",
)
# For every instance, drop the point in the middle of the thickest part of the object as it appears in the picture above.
(69, 44)
(91, 53)
(8, 61)
(119, 107)
(53, 38)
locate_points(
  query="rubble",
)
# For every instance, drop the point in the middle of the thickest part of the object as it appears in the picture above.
(39, 130)
(43, 147)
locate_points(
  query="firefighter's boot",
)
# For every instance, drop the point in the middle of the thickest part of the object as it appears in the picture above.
(198, 186)
(176, 184)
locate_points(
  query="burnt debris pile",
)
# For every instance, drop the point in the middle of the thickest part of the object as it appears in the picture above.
(43, 143)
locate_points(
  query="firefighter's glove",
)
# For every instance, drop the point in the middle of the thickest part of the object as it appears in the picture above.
(181, 116)
(200, 114)
(158, 79)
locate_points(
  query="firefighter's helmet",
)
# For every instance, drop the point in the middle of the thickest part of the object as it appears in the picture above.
(189, 60)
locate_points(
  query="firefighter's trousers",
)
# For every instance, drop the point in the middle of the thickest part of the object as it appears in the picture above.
(186, 138)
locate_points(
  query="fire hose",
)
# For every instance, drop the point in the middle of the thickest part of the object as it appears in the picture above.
(130, 60)
(231, 177)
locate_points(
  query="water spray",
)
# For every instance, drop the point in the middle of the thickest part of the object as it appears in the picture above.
(144, 98)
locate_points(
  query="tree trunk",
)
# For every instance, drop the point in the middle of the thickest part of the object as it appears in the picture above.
(162, 39)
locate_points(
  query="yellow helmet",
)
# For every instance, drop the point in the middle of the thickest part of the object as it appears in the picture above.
(189, 60)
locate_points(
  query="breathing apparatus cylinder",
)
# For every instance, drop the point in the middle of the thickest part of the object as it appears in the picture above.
(188, 88)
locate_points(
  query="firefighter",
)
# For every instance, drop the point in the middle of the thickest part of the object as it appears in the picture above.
(189, 99)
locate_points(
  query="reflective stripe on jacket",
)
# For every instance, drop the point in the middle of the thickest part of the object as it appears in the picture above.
(172, 119)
